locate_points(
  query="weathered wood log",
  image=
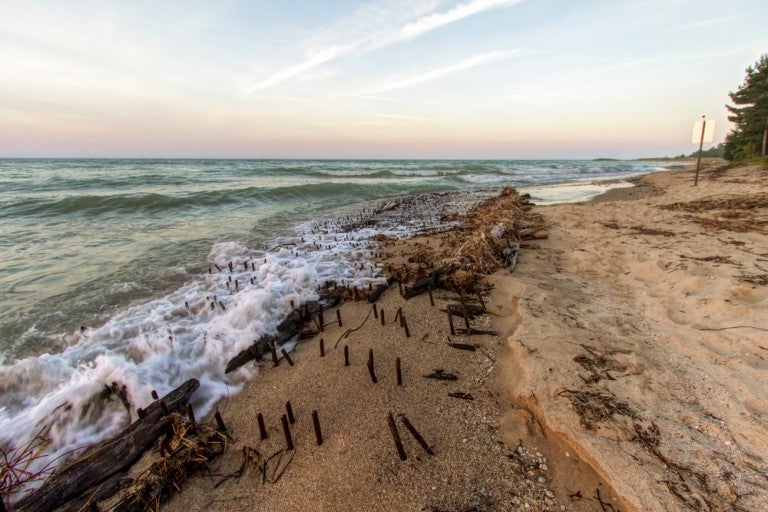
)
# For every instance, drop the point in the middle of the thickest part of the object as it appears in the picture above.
(434, 280)
(109, 457)
(287, 329)
(377, 292)
(100, 492)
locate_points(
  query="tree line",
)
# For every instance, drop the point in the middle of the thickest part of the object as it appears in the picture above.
(749, 113)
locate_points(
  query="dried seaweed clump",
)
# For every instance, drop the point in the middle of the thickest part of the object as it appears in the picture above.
(185, 450)
(741, 214)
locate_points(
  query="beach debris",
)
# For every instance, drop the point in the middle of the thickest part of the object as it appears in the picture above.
(371, 371)
(440, 374)
(396, 436)
(316, 426)
(593, 407)
(290, 327)
(286, 356)
(111, 457)
(463, 396)
(262, 428)
(219, 421)
(286, 432)
(415, 434)
(399, 372)
(346, 355)
(289, 412)
(463, 346)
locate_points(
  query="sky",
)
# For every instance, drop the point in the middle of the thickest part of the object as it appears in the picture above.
(370, 79)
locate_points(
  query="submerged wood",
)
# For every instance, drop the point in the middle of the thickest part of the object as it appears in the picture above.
(112, 456)
(287, 329)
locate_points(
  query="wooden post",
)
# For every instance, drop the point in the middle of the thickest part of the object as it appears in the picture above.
(399, 372)
(275, 360)
(287, 432)
(416, 435)
(191, 416)
(464, 312)
(701, 145)
(322, 347)
(262, 427)
(220, 422)
(316, 425)
(450, 322)
(482, 302)
(431, 298)
(371, 371)
(346, 355)
(405, 326)
(382, 316)
(375, 312)
(286, 356)
(289, 412)
(396, 437)
(154, 395)
(320, 320)
(164, 408)
(338, 317)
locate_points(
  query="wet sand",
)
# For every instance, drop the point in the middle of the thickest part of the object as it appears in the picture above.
(628, 373)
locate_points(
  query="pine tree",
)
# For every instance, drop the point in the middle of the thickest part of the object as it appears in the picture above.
(749, 113)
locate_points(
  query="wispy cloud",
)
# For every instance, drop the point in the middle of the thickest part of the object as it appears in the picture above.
(461, 11)
(426, 76)
(321, 57)
(709, 22)
(391, 33)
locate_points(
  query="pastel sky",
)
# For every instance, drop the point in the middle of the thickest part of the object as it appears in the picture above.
(369, 79)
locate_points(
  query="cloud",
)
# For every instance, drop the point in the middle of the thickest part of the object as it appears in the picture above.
(426, 76)
(392, 32)
(321, 57)
(461, 11)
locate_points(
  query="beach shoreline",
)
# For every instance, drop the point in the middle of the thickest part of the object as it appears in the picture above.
(559, 400)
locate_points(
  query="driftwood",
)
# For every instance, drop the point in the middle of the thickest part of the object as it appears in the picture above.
(100, 492)
(463, 396)
(463, 346)
(290, 326)
(439, 374)
(431, 282)
(377, 292)
(102, 461)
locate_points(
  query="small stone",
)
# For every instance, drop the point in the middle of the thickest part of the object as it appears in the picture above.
(544, 467)
(550, 494)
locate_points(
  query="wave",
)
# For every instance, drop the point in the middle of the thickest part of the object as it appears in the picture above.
(94, 205)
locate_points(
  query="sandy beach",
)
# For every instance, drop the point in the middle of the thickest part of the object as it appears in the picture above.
(620, 366)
